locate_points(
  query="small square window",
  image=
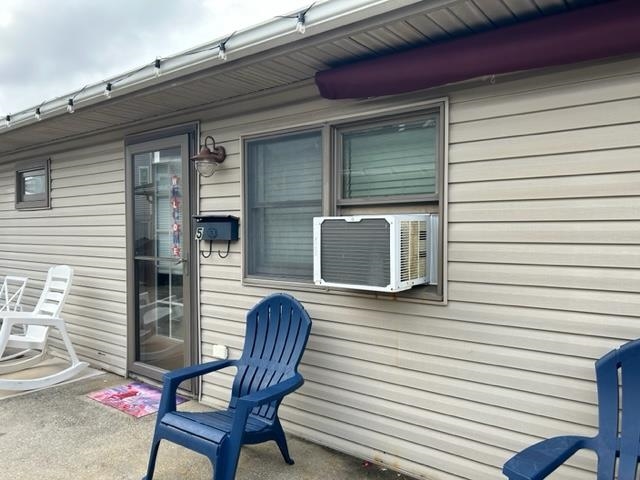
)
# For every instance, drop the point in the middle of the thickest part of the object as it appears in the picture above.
(32, 185)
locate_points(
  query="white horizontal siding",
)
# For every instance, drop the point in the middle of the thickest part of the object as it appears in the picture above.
(544, 243)
(541, 166)
(85, 228)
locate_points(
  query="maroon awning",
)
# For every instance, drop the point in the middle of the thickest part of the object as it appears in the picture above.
(599, 31)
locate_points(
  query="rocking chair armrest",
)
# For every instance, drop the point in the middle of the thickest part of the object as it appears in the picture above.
(541, 459)
(271, 393)
(29, 318)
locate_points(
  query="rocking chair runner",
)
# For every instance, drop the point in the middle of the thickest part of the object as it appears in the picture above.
(32, 345)
(276, 335)
(617, 441)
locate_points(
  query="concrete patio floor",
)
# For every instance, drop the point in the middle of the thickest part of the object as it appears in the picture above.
(61, 434)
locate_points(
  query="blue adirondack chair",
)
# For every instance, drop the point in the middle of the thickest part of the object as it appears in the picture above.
(613, 442)
(277, 330)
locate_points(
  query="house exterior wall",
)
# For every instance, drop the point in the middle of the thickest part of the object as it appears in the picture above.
(85, 228)
(543, 247)
(543, 255)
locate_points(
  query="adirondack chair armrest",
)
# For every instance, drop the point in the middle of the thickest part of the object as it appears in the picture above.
(248, 402)
(271, 393)
(541, 459)
(174, 378)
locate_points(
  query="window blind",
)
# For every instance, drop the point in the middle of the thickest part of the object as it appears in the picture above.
(390, 160)
(284, 193)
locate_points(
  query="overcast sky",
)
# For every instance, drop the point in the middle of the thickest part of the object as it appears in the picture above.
(52, 47)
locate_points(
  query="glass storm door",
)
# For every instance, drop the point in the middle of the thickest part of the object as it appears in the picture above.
(159, 207)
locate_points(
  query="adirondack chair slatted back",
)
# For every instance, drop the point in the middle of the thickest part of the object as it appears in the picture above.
(276, 335)
(11, 293)
(53, 297)
(619, 435)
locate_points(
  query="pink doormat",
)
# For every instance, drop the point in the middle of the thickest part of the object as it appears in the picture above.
(137, 399)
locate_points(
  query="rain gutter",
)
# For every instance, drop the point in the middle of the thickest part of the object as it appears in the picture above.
(323, 17)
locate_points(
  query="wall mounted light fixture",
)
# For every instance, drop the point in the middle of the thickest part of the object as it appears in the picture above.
(208, 161)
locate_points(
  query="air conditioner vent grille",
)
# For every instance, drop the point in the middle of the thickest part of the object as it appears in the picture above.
(413, 249)
(357, 252)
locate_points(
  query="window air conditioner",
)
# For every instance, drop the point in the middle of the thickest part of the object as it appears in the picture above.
(385, 253)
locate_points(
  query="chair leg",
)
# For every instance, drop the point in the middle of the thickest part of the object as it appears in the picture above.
(152, 459)
(225, 463)
(281, 440)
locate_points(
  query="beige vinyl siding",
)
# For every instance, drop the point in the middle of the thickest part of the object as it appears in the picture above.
(85, 228)
(544, 246)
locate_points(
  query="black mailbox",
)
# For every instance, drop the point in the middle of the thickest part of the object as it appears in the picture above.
(216, 227)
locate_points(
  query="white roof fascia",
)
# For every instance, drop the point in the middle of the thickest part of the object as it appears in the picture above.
(323, 17)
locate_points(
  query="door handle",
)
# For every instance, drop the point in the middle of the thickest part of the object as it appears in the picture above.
(185, 270)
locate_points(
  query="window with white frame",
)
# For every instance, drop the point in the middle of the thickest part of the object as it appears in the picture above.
(390, 164)
(32, 184)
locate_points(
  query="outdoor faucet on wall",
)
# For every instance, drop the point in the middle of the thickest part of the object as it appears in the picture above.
(216, 228)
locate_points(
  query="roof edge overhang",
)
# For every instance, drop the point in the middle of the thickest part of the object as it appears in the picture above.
(595, 32)
(321, 19)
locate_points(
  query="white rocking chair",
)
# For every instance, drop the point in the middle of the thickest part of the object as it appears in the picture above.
(11, 293)
(33, 343)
